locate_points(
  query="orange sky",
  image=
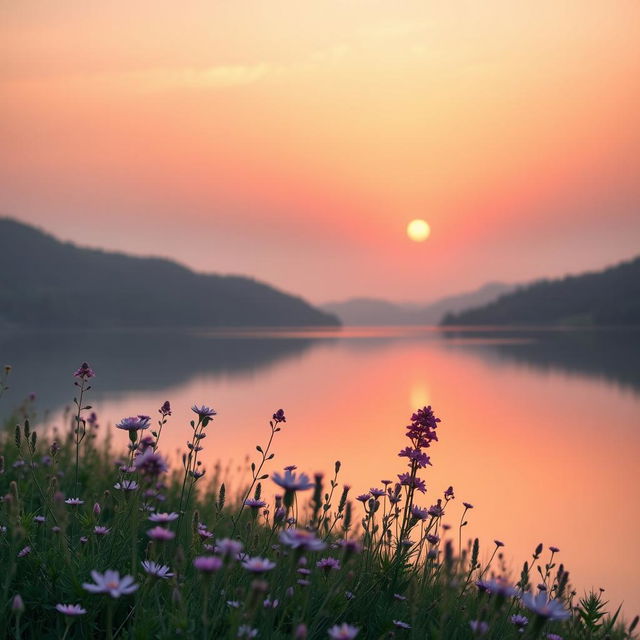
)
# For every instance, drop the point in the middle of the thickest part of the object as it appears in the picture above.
(294, 140)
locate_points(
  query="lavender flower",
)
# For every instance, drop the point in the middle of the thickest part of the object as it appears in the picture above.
(84, 372)
(71, 610)
(156, 570)
(479, 627)
(279, 416)
(228, 547)
(134, 423)
(126, 485)
(158, 533)
(165, 409)
(111, 583)
(258, 565)
(255, 504)
(545, 608)
(301, 539)
(401, 625)
(207, 564)
(245, 631)
(101, 531)
(328, 564)
(163, 517)
(150, 463)
(74, 501)
(25, 551)
(519, 621)
(343, 632)
(203, 411)
(290, 482)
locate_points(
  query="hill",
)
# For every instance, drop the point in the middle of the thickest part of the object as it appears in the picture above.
(610, 297)
(48, 283)
(375, 312)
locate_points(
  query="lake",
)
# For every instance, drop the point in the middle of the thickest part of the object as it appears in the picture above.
(540, 429)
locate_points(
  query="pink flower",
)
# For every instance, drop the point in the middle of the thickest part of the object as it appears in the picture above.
(101, 531)
(163, 517)
(161, 534)
(343, 632)
(111, 583)
(301, 539)
(84, 371)
(258, 565)
(208, 564)
(71, 609)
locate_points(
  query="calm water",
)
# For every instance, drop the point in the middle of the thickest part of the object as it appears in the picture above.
(540, 430)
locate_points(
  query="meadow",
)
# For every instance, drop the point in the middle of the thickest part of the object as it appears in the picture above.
(96, 543)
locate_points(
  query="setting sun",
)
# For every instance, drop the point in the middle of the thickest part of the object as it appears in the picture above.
(418, 230)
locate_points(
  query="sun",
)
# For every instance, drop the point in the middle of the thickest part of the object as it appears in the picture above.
(418, 230)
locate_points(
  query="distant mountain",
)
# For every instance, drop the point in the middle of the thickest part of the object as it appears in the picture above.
(604, 298)
(48, 283)
(374, 312)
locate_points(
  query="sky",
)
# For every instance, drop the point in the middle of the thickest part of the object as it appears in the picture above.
(293, 141)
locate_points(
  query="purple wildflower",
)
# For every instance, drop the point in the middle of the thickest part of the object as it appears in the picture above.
(343, 632)
(418, 513)
(364, 497)
(203, 411)
(467, 505)
(71, 610)
(479, 627)
(207, 564)
(111, 583)
(74, 501)
(150, 463)
(228, 547)
(255, 504)
(291, 482)
(499, 543)
(328, 564)
(158, 533)
(25, 551)
(84, 371)
(279, 416)
(545, 608)
(416, 455)
(301, 539)
(126, 485)
(39, 519)
(163, 517)
(165, 409)
(134, 423)
(519, 621)
(408, 481)
(377, 493)
(401, 625)
(553, 636)
(245, 631)
(554, 549)
(101, 531)
(258, 565)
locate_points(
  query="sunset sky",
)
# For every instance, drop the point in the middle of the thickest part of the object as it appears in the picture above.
(294, 140)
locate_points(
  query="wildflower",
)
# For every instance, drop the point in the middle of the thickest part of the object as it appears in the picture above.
(436, 510)
(519, 621)
(158, 533)
(39, 519)
(303, 582)
(97, 509)
(101, 531)
(416, 455)
(350, 546)
(467, 505)
(84, 539)
(228, 547)
(554, 549)
(234, 604)
(156, 570)
(408, 481)
(270, 604)
(301, 539)
(245, 631)
(126, 485)
(553, 636)
(203, 411)
(74, 501)
(25, 551)
(343, 632)
(258, 565)
(479, 627)
(165, 409)
(499, 543)
(111, 583)
(499, 587)
(279, 416)
(207, 564)
(163, 517)
(401, 625)
(290, 482)
(134, 423)
(255, 504)
(84, 372)
(150, 463)
(545, 608)
(197, 474)
(420, 514)
(71, 610)
(432, 539)
(364, 497)
(448, 494)
(328, 564)
(17, 604)
(397, 596)
(377, 493)
(302, 571)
